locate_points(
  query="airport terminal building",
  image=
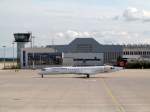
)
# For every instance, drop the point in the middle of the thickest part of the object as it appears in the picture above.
(80, 52)
(136, 52)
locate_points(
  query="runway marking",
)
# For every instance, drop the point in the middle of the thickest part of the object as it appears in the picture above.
(119, 107)
(92, 80)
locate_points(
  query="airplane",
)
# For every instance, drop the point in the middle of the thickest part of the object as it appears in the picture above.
(83, 70)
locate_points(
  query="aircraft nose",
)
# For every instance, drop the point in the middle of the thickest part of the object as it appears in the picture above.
(118, 68)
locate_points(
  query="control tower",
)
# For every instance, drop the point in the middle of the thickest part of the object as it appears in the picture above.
(21, 39)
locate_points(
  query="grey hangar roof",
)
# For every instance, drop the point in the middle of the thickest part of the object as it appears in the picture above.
(86, 45)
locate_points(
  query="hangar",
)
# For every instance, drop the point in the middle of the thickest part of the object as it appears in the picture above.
(80, 52)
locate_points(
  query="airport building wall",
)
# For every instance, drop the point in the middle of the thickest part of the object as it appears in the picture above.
(90, 45)
(40, 57)
(136, 52)
(83, 59)
(80, 52)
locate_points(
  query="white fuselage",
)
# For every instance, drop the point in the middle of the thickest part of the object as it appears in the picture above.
(79, 70)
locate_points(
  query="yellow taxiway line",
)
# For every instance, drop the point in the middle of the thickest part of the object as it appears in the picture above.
(119, 107)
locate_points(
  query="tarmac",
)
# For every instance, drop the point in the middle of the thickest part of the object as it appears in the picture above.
(123, 91)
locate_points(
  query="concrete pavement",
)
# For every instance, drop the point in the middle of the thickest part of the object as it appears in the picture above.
(123, 91)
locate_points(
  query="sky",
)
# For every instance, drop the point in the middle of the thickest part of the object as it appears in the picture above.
(60, 21)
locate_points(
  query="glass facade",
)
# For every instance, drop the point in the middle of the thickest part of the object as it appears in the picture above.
(45, 58)
(24, 58)
(111, 57)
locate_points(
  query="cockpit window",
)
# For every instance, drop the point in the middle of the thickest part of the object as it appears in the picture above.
(112, 68)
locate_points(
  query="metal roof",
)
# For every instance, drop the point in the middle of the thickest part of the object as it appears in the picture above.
(89, 42)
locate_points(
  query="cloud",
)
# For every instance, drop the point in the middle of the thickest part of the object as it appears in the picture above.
(118, 37)
(53, 19)
(134, 14)
(123, 37)
(67, 36)
(107, 36)
(113, 33)
(74, 34)
(60, 35)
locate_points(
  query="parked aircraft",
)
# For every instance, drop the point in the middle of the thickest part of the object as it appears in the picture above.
(84, 70)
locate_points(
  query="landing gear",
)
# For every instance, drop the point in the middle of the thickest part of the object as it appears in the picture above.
(42, 76)
(88, 75)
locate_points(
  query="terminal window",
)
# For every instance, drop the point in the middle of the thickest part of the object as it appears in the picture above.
(45, 58)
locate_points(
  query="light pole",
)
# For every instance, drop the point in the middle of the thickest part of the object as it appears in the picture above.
(13, 53)
(33, 38)
(4, 55)
(53, 44)
(33, 61)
